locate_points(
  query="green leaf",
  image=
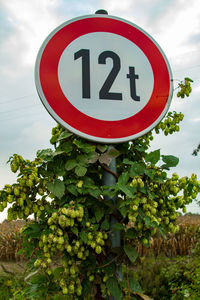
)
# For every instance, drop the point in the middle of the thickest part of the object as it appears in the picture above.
(70, 164)
(87, 286)
(105, 224)
(136, 169)
(113, 152)
(66, 147)
(57, 272)
(110, 269)
(102, 148)
(84, 236)
(147, 220)
(94, 193)
(153, 157)
(126, 161)
(57, 166)
(33, 230)
(92, 158)
(99, 213)
(131, 233)
(126, 189)
(64, 135)
(140, 148)
(131, 253)
(72, 189)
(113, 286)
(161, 231)
(57, 153)
(21, 251)
(75, 230)
(117, 227)
(123, 178)
(89, 148)
(86, 147)
(150, 173)
(188, 79)
(170, 160)
(57, 188)
(39, 278)
(124, 210)
(46, 154)
(134, 285)
(80, 170)
(82, 159)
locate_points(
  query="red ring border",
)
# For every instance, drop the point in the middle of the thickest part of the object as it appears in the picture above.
(48, 76)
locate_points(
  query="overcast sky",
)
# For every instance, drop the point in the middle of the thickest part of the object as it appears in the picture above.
(24, 24)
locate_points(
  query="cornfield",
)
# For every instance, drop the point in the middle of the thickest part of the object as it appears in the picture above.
(182, 243)
(10, 240)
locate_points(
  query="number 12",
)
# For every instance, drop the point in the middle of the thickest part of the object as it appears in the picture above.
(104, 92)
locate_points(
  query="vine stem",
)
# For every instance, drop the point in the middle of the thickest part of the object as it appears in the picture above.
(108, 170)
(114, 258)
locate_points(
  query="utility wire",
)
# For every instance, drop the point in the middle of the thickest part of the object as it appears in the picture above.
(16, 99)
(191, 67)
(21, 116)
(19, 108)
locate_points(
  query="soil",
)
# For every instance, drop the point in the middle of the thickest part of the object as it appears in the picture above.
(13, 267)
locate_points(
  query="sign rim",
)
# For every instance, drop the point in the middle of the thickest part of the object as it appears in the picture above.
(68, 126)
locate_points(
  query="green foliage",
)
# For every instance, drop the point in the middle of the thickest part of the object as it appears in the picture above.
(185, 87)
(163, 279)
(196, 151)
(12, 287)
(68, 242)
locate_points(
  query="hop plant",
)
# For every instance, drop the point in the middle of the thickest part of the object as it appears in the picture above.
(184, 88)
(69, 239)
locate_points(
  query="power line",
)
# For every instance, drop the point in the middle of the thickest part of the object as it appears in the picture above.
(20, 108)
(191, 67)
(16, 99)
(21, 116)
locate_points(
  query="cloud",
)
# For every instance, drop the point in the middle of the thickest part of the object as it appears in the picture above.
(38, 134)
(116, 5)
(31, 22)
(175, 25)
(70, 9)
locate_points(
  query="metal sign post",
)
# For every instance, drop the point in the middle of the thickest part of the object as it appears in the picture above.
(104, 79)
(109, 180)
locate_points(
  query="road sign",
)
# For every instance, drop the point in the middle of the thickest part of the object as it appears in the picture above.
(103, 78)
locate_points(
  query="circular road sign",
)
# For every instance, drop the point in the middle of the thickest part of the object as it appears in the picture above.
(103, 78)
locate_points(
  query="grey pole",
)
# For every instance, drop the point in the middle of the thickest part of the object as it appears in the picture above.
(110, 180)
(101, 12)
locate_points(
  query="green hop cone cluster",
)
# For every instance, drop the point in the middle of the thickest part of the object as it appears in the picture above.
(184, 88)
(15, 162)
(78, 239)
(56, 132)
(158, 207)
(23, 194)
(169, 124)
(144, 141)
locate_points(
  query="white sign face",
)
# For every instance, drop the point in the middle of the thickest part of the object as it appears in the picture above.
(103, 78)
(126, 54)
